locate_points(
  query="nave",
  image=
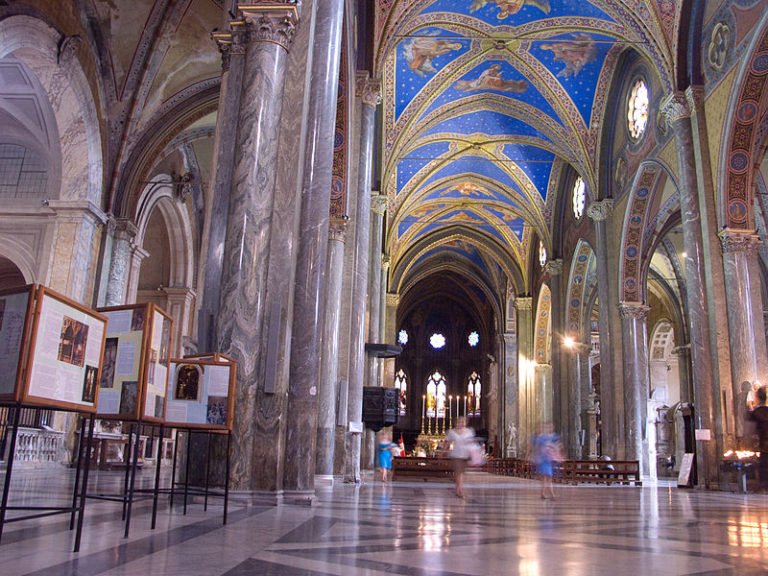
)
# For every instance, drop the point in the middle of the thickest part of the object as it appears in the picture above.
(503, 527)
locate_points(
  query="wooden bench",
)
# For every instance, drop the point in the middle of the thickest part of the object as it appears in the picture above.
(411, 467)
(573, 471)
(599, 472)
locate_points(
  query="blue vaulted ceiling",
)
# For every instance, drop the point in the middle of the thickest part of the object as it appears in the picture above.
(485, 102)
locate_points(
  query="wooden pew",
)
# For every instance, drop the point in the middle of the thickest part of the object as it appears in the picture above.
(599, 472)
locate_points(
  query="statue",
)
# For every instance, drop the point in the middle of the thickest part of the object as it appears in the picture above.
(511, 440)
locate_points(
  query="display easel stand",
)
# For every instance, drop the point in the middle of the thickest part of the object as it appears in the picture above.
(206, 490)
(79, 490)
(133, 446)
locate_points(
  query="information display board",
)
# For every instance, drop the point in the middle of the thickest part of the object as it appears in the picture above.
(16, 307)
(201, 392)
(136, 354)
(65, 354)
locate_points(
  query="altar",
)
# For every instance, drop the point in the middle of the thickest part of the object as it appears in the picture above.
(418, 468)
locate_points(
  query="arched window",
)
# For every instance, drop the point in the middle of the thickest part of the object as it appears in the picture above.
(401, 383)
(637, 109)
(435, 387)
(474, 393)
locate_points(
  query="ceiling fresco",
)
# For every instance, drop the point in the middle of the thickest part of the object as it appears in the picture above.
(485, 102)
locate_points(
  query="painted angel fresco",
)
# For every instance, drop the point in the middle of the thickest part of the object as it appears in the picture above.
(575, 53)
(491, 79)
(509, 7)
(419, 53)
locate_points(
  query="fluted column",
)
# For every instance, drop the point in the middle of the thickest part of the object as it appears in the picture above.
(310, 286)
(123, 237)
(744, 323)
(369, 92)
(232, 45)
(526, 370)
(636, 377)
(560, 384)
(326, 419)
(706, 390)
(246, 249)
(599, 212)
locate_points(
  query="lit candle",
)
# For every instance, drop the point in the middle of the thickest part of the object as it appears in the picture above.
(465, 406)
(450, 407)
(423, 407)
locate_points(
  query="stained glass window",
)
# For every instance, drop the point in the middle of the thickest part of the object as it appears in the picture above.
(579, 198)
(474, 393)
(473, 339)
(542, 254)
(402, 337)
(637, 109)
(437, 340)
(401, 383)
(436, 390)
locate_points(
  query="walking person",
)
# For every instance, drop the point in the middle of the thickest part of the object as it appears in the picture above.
(759, 415)
(462, 441)
(384, 459)
(546, 451)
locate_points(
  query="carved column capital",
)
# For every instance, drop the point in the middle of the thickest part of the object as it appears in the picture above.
(524, 303)
(368, 89)
(385, 263)
(393, 299)
(337, 230)
(600, 210)
(675, 107)
(694, 95)
(378, 203)
(269, 21)
(231, 43)
(633, 310)
(68, 47)
(554, 267)
(739, 240)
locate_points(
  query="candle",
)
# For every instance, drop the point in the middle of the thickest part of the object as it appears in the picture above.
(465, 406)
(450, 407)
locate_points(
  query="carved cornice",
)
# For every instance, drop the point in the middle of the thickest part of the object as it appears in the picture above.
(675, 107)
(554, 267)
(600, 210)
(368, 89)
(269, 22)
(378, 203)
(393, 299)
(739, 240)
(337, 230)
(524, 303)
(124, 228)
(633, 310)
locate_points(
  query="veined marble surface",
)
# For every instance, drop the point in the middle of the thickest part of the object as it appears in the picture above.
(502, 527)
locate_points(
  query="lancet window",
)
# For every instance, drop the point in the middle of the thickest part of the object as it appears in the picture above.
(474, 394)
(401, 383)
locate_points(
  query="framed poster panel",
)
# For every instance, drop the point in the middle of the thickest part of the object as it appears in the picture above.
(138, 338)
(156, 371)
(16, 311)
(65, 354)
(201, 393)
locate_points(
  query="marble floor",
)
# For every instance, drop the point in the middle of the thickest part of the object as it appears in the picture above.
(502, 527)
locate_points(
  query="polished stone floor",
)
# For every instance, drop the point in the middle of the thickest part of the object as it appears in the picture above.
(502, 527)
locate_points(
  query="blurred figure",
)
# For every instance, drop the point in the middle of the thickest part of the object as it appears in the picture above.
(759, 415)
(385, 453)
(462, 441)
(546, 451)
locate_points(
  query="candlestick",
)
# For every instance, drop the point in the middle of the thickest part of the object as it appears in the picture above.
(450, 407)
(423, 411)
(465, 406)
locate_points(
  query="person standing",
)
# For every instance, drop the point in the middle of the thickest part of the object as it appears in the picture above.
(759, 415)
(462, 441)
(384, 459)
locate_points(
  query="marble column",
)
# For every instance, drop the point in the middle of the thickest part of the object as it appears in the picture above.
(706, 390)
(526, 364)
(386, 374)
(326, 417)
(378, 208)
(542, 395)
(123, 238)
(683, 354)
(744, 316)
(138, 254)
(232, 45)
(599, 212)
(369, 93)
(310, 285)
(246, 248)
(584, 402)
(560, 384)
(636, 376)
(510, 418)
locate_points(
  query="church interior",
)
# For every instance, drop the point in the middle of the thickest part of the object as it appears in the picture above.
(523, 213)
